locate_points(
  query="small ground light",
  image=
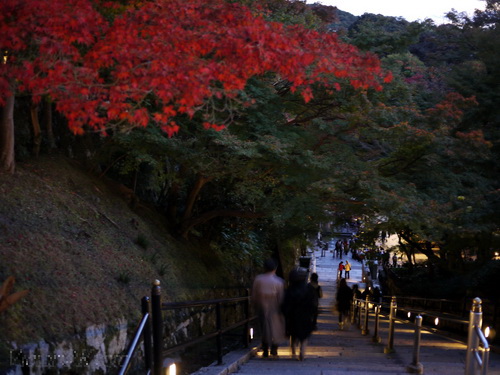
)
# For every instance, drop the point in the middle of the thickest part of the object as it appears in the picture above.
(169, 367)
(487, 332)
(436, 321)
(251, 333)
(409, 314)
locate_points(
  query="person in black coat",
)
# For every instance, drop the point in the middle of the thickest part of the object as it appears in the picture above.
(344, 302)
(299, 309)
(318, 293)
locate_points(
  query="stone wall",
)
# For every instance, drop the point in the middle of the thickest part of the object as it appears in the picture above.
(97, 350)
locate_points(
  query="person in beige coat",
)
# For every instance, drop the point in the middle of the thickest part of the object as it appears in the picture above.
(268, 292)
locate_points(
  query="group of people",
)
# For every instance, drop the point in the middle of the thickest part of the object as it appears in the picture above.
(291, 312)
(342, 247)
(286, 311)
(346, 268)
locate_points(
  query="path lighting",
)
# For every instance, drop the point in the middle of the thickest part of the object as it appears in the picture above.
(251, 333)
(172, 369)
(436, 321)
(409, 315)
(487, 332)
(169, 367)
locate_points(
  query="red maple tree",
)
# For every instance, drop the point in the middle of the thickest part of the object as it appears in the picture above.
(156, 60)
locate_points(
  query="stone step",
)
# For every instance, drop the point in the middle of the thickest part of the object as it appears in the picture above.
(331, 351)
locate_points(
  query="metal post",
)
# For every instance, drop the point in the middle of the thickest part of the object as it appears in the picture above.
(359, 314)
(218, 323)
(392, 316)
(476, 317)
(353, 310)
(376, 337)
(365, 330)
(157, 320)
(416, 367)
(246, 333)
(146, 309)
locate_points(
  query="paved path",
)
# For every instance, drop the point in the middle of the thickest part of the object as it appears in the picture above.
(336, 352)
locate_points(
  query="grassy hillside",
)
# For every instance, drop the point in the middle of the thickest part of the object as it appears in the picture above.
(84, 255)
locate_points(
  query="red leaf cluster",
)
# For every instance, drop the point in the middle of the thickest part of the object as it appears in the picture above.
(160, 59)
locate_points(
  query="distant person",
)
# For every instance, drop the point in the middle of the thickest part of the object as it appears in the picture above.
(268, 293)
(324, 249)
(366, 293)
(377, 295)
(344, 301)
(394, 260)
(356, 293)
(317, 295)
(299, 310)
(340, 269)
(338, 249)
(347, 269)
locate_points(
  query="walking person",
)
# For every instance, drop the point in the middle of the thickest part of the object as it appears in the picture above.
(338, 249)
(344, 302)
(356, 293)
(268, 293)
(299, 309)
(324, 249)
(318, 293)
(340, 269)
(347, 269)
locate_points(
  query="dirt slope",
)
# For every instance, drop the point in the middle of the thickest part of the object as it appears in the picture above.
(84, 255)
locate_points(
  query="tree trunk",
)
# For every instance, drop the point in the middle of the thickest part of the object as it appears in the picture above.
(193, 195)
(405, 250)
(7, 159)
(37, 132)
(47, 123)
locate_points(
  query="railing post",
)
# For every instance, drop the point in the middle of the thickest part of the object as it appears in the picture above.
(246, 333)
(359, 314)
(392, 316)
(376, 337)
(157, 320)
(476, 317)
(354, 310)
(218, 323)
(146, 309)
(416, 366)
(365, 330)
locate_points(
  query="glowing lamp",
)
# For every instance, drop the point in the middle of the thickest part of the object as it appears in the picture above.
(487, 331)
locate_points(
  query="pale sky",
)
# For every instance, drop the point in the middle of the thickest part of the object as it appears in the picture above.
(410, 10)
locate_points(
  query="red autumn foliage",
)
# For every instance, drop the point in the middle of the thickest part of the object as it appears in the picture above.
(160, 59)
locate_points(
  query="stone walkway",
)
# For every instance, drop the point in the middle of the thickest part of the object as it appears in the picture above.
(335, 352)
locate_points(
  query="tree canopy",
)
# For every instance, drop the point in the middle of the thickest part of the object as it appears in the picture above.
(238, 117)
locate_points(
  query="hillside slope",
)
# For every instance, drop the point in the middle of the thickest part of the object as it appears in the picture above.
(84, 255)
